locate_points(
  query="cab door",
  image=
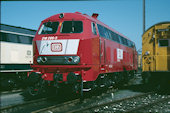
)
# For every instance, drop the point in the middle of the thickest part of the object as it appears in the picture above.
(102, 51)
(162, 55)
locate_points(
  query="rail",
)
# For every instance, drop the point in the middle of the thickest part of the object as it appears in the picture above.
(89, 108)
(148, 105)
(58, 106)
(16, 107)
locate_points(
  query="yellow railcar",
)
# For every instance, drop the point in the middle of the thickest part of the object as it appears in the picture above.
(156, 54)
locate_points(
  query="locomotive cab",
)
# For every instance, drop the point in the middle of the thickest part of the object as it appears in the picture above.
(65, 49)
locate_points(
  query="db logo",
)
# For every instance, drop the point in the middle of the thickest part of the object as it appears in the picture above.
(56, 47)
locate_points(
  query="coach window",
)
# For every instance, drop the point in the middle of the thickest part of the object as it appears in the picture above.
(72, 27)
(48, 28)
(163, 43)
(12, 38)
(3, 36)
(94, 29)
(25, 39)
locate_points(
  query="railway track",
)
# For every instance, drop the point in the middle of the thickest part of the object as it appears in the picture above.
(72, 104)
(41, 104)
(19, 107)
(97, 107)
(58, 107)
(137, 103)
(149, 106)
(10, 92)
(131, 104)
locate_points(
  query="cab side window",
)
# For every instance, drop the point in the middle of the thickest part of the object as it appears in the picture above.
(164, 43)
(94, 29)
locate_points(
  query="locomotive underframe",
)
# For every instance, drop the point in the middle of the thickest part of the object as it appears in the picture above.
(73, 77)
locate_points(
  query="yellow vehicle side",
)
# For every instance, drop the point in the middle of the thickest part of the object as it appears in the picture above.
(156, 55)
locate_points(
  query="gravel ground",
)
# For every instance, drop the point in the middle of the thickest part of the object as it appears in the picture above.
(108, 96)
(163, 107)
(132, 103)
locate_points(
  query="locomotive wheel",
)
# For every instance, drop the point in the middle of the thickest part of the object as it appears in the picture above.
(36, 89)
(33, 91)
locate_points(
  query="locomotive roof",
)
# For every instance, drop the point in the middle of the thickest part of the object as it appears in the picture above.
(17, 29)
(165, 22)
(78, 16)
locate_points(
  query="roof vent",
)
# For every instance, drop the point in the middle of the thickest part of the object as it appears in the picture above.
(95, 15)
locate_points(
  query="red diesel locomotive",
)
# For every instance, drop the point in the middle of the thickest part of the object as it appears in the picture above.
(80, 51)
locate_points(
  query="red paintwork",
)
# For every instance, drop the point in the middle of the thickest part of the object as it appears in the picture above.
(47, 76)
(90, 65)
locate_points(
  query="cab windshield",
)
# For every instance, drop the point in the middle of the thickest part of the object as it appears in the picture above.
(48, 28)
(72, 27)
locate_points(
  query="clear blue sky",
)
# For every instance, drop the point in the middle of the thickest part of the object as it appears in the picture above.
(124, 16)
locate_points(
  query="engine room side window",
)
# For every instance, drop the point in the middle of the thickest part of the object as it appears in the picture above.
(123, 40)
(72, 27)
(101, 30)
(107, 33)
(48, 28)
(7, 37)
(164, 43)
(94, 29)
(130, 44)
(115, 37)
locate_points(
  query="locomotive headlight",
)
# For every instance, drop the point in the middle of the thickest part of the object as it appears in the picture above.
(41, 59)
(70, 59)
(76, 59)
(147, 53)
